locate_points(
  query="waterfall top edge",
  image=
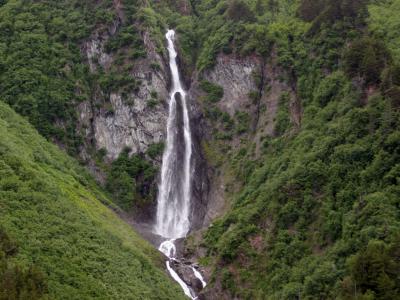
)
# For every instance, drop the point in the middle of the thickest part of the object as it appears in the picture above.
(170, 34)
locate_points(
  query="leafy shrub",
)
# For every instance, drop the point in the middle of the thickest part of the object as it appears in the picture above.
(130, 179)
(62, 224)
(15, 281)
(243, 122)
(282, 121)
(374, 271)
(390, 86)
(330, 88)
(214, 92)
(366, 58)
(238, 10)
(155, 67)
(328, 12)
(155, 150)
(309, 10)
(384, 23)
(127, 36)
(151, 103)
(115, 82)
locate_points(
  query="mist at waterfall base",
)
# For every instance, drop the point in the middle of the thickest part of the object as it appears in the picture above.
(173, 201)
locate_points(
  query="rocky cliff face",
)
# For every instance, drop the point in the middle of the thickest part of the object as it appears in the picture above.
(250, 86)
(237, 77)
(116, 120)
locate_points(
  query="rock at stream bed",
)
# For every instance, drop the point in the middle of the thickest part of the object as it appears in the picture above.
(184, 270)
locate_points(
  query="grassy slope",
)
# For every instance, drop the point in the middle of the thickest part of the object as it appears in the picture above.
(52, 209)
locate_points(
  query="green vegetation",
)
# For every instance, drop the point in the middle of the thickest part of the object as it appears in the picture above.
(213, 91)
(61, 240)
(315, 209)
(243, 122)
(153, 101)
(155, 150)
(318, 215)
(282, 120)
(315, 200)
(43, 74)
(41, 67)
(131, 179)
(126, 36)
(15, 282)
(384, 22)
(366, 57)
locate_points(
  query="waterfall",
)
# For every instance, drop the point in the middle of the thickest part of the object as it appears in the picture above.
(173, 201)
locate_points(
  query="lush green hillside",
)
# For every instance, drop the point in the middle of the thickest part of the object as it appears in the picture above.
(43, 72)
(319, 212)
(66, 243)
(44, 76)
(318, 216)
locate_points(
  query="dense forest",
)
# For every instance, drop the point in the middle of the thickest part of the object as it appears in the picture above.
(318, 215)
(313, 209)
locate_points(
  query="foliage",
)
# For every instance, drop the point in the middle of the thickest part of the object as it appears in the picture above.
(282, 117)
(329, 12)
(318, 213)
(324, 195)
(126, 36)
(390, 86)
(155, 150)
(43, 74)
(243, 120)
(366, 58)
(333, 87)
(55, 213)
(384, 22)
(374, 270)
(41, 67)
(238, 10)
(214, 92)
(15, 282)
(130, 179)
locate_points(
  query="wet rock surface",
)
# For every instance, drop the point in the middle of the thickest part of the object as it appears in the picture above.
(184, 269)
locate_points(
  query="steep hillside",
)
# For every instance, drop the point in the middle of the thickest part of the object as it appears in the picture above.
(90, 76)
(301, 131)
(294, 112)
(58, 240)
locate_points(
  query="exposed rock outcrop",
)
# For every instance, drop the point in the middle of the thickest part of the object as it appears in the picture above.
(184, 269)
(118, 120)
(237, 77)
(253, 86)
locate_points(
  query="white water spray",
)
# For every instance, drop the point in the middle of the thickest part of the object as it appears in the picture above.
(169, 249)
(173, 202)
(199, 277)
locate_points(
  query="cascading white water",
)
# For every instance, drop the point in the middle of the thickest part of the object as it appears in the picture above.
(173, 202)
(169, 249)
